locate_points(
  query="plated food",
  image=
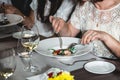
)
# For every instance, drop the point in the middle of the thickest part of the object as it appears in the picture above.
(46, 48)
(81, 52)
(53, 74)
(60, 75)
(64, 52)
(12, 19)
(5, 22)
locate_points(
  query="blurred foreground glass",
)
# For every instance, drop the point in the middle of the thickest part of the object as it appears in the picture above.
(7, 63)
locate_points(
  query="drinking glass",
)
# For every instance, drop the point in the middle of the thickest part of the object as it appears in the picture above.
(22, 53)
(29, 40)
(7, 63)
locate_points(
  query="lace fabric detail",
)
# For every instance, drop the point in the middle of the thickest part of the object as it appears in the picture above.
(104, 16)
(89, 17)
(100, 50)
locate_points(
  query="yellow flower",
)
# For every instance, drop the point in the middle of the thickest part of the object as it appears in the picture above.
(63, 76)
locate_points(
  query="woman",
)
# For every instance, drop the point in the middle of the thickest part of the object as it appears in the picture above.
(22, 7)
(44, 8)
(101, 20)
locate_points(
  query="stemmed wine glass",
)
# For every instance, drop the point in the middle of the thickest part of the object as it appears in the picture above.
(29, 40)
(7, 63)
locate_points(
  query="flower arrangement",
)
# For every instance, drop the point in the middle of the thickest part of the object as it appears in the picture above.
(62, 75)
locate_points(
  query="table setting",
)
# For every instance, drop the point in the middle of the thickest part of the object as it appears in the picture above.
(45, 46)
(83, 64)
(7, 29)
(56, 58)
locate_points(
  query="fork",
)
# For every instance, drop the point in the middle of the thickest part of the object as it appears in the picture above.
(60, 39)
(4, 14)
(70, 64)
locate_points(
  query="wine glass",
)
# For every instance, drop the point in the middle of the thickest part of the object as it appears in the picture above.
(7, 63)
(29, 40)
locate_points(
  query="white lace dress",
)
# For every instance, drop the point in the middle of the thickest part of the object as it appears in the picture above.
(89, 17)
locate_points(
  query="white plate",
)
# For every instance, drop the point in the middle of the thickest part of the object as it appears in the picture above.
(13, 19)
(53, 43)
(99, 67)
(44, 75)
(17, 35)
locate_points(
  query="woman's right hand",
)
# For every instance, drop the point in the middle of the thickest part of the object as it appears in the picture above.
(28, 22)
(9, 9)
(57, 23)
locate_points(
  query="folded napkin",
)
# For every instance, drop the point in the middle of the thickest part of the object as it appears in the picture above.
(38, 77)
(44, 75)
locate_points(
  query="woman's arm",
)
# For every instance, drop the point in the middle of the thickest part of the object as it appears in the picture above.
(65, 9)
(109, 41)
(28, 20)
(65, 29)
(12, 10)
(113, 44)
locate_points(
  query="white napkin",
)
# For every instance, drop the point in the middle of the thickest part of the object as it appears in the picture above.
(44, 75)
(38, 77)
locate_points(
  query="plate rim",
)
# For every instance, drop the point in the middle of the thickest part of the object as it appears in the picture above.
(88, 63)
(62, 57)
(18, 33)
(13, 35)
(11, 24)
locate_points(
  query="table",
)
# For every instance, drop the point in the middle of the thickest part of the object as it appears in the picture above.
(80, 74)
(20, 74)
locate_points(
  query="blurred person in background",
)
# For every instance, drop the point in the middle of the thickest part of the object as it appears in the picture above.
(44, 8)
(21, 7)
(99, 20)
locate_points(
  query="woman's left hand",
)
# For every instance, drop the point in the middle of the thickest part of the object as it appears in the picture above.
(92, 35)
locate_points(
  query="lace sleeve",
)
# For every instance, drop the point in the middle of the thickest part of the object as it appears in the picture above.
(78, 17)
(65, 9)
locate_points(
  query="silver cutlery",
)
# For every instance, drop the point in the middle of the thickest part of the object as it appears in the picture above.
(4, 14)
(60, 39)
(70, 64)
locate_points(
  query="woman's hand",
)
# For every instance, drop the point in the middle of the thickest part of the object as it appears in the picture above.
(110, 42)
(57, 23)
(28, 22)
(9, 9)
(92, 35)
